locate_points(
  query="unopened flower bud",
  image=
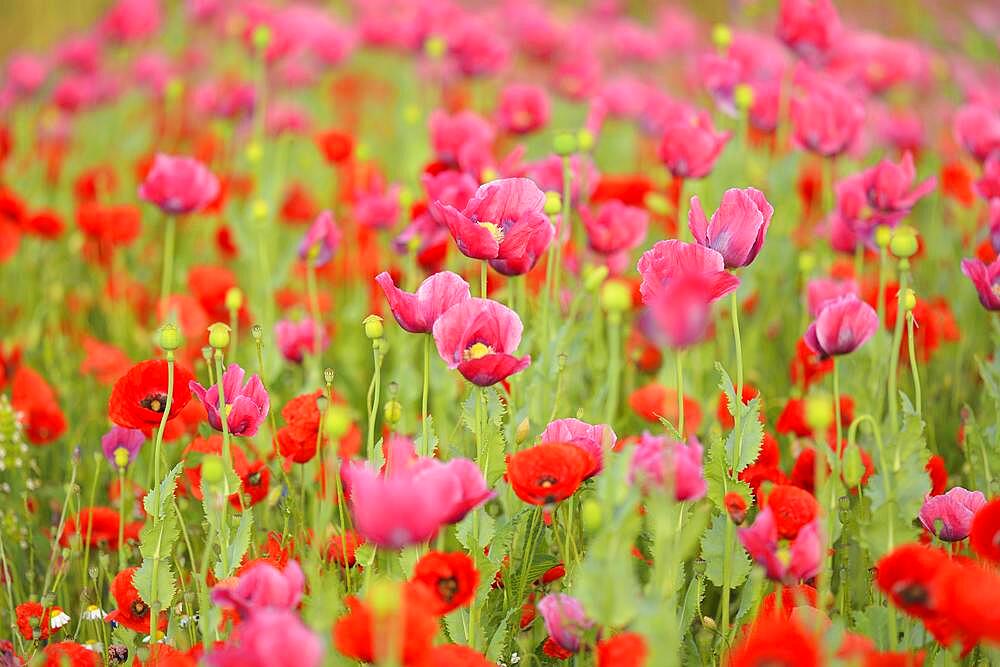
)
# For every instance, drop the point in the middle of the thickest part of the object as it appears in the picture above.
(337, 421)
(722, 36)
(616, 297)
(883, 235)
(384, 597)
(392, 411)
(435, 46)
(708, 622)
(736, 507)
(743, 96)
(211, 469)
(373, 327)
(564, 144)
(553, 203)
(904, 242)
(218, 335)
(593, 277)
(521, 433)
(170, 337)
(234, 299)
(819, 413)
(328, 375)
(585, 139)
(261, 37)
(909, 300)
(591, 515)
(853, 468)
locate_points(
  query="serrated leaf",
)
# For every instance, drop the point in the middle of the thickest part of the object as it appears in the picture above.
(364, 555)
(157, 501)
(237, 547)
(747, 432)
(159, 592)
(454, 624)
(692, 601)
(157, 540)
(499, 638)
(427, 449)
(713, 551)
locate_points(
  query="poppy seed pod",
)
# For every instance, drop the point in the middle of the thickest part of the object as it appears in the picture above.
(234, 298)
(819, 412)
(883, 235)
(904, 243)
(616, 297)
(564, 144)
(218, 335)
(373, 327)
(553, 203)
(170, 337)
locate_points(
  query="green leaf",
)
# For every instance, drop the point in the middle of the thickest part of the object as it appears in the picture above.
(499, 638)
(157, 500)
(365, 554)
(237, 547)
(717, 476)
(431, 437)
(158, 592)
(713, 551)
(748, 432)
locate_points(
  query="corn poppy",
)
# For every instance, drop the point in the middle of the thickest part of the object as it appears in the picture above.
(98, 527)
(776, 641)
(451, 579)
(361, 634)
(68, 653)
(547, 473)
(985, 535)
(132, 612)
(627, 649)
(139, 398)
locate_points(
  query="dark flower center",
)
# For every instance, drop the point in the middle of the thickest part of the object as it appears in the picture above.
(912, 594)
(138, 608)
(154, 402)
(448, 588)
(254, 479)
(547, 481)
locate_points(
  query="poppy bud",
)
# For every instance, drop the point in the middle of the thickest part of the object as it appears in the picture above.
(585, 139)
(722, 36)
(708, 622)
(591, 515)
(883, 234)
(736, 507)
(553, 203)
(337, 421)
(616, 297)
(211, 469)
(435, 46)
(170, 337)
(257, 331)
(373, 327)
(564, 144)
(853, 468)
(261, 37)
(910, 300)
(254, 152)
(234, 298)
(521, 434)
(174, 89)
(218, 335)
(743, 96)
(392, 411)
(593, 277)
(259, 209)
(904, 242)
(384, 597)
(121, 457)
(807, 262)
(819, 412)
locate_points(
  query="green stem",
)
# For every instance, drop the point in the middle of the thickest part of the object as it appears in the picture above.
(614, 368)
(169, 239)
(227, 459)
(680, 392)
(734, 312)
(913, 365)
(373, 404)
(897, 338)
(483, 266)
(122, 480)
(880, 301)
(425, 445)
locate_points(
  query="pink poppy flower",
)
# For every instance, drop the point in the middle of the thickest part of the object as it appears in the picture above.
(804, 553)
(128, 439)
(523, 108)
(826, 118)
(889, 187)
(737, 228)
(682, 309)
(377, 207)
(690, 146)
(324, 235)
(988, 186)
(451, 136)
(246, 403)
(842, 326)
(565, 620)
(179, 185)
(502, 223)
(615, 228)
(548, 174)
(671, 259)
(296, 339)
(261, 587)
(26, 73)
(477, 48)
(660, 461)
(473, 490)
(418, 312)
(132, 20)
(821, 291)
(592, 438)
(273, 637)
(478, 337)
(977, 127)
(993, 215)
(809, 28)
(986, 280)
(954, 510)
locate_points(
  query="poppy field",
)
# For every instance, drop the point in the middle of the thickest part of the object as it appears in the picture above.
(443, 333)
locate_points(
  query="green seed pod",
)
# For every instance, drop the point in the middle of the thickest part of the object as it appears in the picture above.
(853, 466)
(593, 277)
(373, 327)
(392, 411)
(234, 299)
(211, 469)
(904, 242)
(564, 144)
(585, 140)
(170, 337)
(616, 297)
(218, 335)
(553, 203)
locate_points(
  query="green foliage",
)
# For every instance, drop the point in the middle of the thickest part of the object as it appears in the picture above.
(713, 551)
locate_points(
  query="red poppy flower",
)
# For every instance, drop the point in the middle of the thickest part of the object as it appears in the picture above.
(451, 579)
(298, 206)
(453, 655)
(297, 440)
(101, 525)
(255, 479)
(792, 507)
(807, 367)
(342, 549)
(547, 473)
(12, 215)
(630, 189)
(736, 507)
(132, 612)
(654, 401)
(761, 477)
(938, 473)
(209, 284)
(94, 182)
(69, 654)
(905, 575)
(45, 223)
(32, 615)
(967, 598)
(109, 225)
(791, 597)
(139, 398)
(956, 183)
(354, 634)
(776, 641)
(105, 362)
(336, 146)
(32, 396)
(552, 649)
(985, 535)
(627, 649)
(162, 655)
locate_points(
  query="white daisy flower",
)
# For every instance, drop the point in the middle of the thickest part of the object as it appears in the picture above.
(58, 618)
(93, 613)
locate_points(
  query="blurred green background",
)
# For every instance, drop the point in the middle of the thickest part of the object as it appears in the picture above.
(33, 24)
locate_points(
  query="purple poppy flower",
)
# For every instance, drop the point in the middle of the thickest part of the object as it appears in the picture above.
(246, 404)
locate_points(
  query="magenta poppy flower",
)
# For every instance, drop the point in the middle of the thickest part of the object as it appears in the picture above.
(275, 637)
(523, 108)
(659, 461)
(548, 174)
(821, 291)
(592, 438)
(473, 490)
(478, 337)
(502, 223)
(296, 339)
(809, 28)
(977, 127)
(476, 47)
(565, 620)
(324, 235)
(418, 312)
(800, 562)
(842, 326)
(826, 118)
(179, 185)
(889, 187)
(682, 310)
(993, 215)
(671, 259)
(949, 516)
(26, 73)
(690, 146)
(615, 228)
(988, 186)
(132, 20)
(261, 587)
(246, 403)
(986, 280)
(129, 440)
(378, 207)
(452, 136)
(737, 228)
